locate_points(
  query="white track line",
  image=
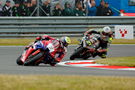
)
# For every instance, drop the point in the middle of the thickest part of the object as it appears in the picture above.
(89, 65)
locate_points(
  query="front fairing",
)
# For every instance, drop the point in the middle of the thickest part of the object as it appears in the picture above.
(23, 58)
(45, 46)
(39, 45)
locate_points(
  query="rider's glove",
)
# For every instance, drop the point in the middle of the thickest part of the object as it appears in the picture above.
(110, 40)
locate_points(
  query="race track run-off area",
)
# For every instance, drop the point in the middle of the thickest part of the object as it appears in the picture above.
(92, 64)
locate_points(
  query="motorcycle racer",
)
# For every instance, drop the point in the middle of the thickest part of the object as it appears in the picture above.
(60, 49)
(57, 47)
(105, 38)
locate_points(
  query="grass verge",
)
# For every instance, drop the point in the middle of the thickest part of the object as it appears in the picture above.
(123, 41)
(26, 41)
(118, 61)
(55, 82)
(16, 42)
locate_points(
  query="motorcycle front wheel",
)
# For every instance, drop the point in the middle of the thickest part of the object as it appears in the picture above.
(31, 61)
(77, 53)
(18, 61)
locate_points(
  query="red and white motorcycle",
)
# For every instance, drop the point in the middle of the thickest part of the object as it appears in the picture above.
(37, 53)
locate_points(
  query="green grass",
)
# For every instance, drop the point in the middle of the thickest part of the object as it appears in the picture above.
(118, 61)
(26, 41)
(123, 41)
(56, 82)
(18, 41)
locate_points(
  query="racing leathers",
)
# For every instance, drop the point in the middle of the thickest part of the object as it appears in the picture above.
(59, 51)
(100, 42)
(56, 50)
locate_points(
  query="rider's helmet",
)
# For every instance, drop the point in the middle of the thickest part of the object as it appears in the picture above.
(65, 41)
(106, 31)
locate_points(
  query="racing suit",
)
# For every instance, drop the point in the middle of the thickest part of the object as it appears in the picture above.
(100, 48)
(59, 51)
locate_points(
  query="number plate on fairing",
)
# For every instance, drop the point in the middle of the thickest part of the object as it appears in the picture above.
(50, 47)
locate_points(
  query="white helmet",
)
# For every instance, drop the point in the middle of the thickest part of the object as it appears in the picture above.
(106, 30)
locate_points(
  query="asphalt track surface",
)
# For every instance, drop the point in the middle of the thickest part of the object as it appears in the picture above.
(8, 56)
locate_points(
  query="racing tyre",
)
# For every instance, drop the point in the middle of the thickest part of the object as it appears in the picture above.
(32, 59)
(18, 61)
(86, 56)
(77, 53)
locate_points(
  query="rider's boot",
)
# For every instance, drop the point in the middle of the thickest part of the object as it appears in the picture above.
(94, 54)
(102, 55)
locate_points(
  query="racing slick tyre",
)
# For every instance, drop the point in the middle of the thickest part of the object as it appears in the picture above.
(32, 59)
(86, 56)
(18, 61)
(77, 53)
